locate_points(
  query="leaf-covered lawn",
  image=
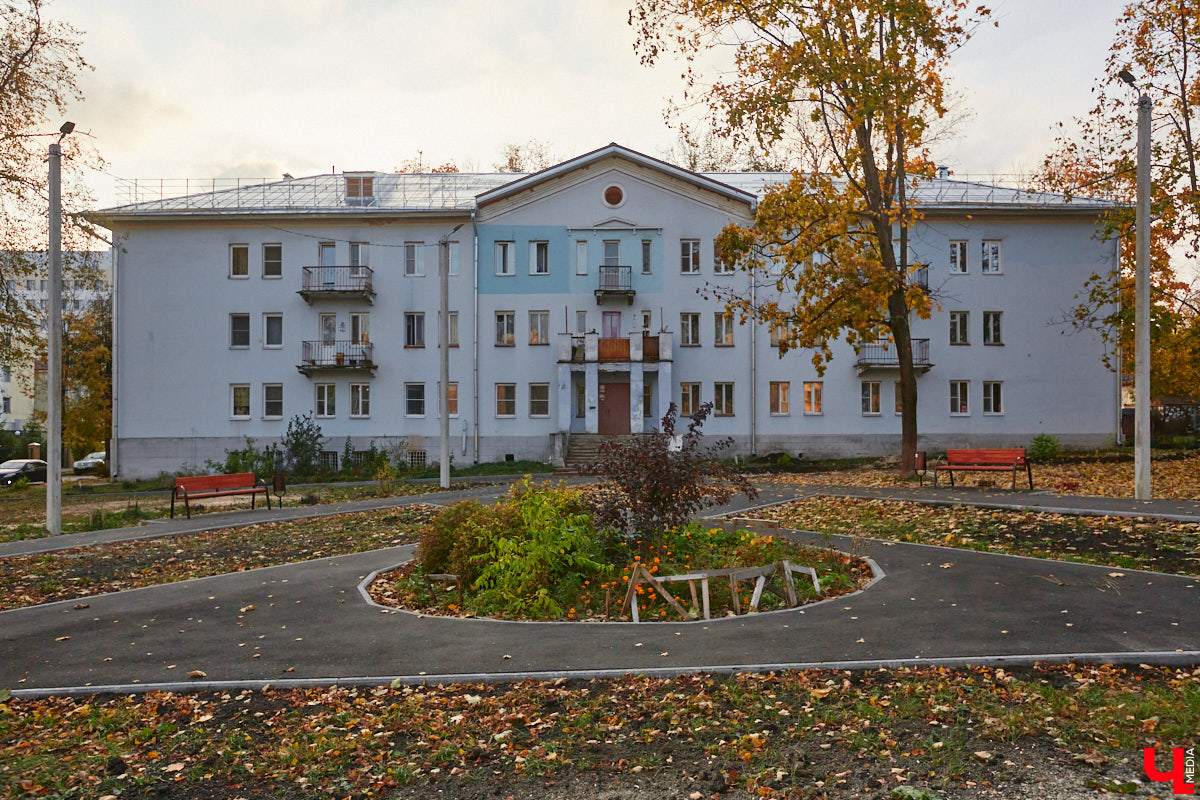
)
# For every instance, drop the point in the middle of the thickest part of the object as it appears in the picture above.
(1140, 543)
(84, 571)
(816, 734)
(1174, 475)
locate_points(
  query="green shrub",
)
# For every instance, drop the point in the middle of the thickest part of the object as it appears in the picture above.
(1043, 447)
(303, 444)
(263, 462)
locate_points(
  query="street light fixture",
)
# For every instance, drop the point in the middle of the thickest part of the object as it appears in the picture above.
(444, 365)
(54, 342)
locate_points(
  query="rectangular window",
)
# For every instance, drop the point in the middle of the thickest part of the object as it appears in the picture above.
(779, 333)
(506, 258)
(898, 397)
(689, 399)
(414, 330)
(958, 256)
(539, 258)
(689, 256)
(453, 326)
(581, 264)
(360, 327)
(359, 258)
(580, 400)
(452, 399)
(452, 257)
(272, 401)
(272, 330)
(959, 391)
(723, 328)
(360, 400)
(239, 261)
(870, 398)
(580, 322)
(990, 264)
(781, 397)
(506, 399)
(647, 401)
(991, 327)
(612, 253)
(272, 265)
(993, 402)
(719, 266)
(414, 259)
(539, 327)
(327, 324)
(689, 327)
(239, 397)
(539, 399)
(647, 318)
(414, 399)
(647, 267)
(506, 328)
(6, 407)
(722, 399)
(812, 397)
(239, 330)
(958, 327)
(325, 406)
(360, 190)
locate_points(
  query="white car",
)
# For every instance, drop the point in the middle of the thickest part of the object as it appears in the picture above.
(90, 462)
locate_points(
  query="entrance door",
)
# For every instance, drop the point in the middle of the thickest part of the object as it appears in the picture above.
(614, 408)
(328, 261)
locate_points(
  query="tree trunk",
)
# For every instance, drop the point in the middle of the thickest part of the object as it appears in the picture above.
(902, 335)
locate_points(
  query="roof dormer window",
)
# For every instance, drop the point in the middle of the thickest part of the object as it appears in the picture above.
(360, 190)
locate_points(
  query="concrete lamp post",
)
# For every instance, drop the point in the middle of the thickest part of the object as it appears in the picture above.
(54, 342)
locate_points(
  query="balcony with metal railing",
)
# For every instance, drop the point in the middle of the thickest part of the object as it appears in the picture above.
(615, 281)
(337, 356)
(591, 347)
(337, 283)
(884, 355)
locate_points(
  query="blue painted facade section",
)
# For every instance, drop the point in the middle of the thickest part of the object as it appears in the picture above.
(521, 282)
(630, 256)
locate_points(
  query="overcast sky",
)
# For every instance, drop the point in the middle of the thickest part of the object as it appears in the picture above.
(255, 88)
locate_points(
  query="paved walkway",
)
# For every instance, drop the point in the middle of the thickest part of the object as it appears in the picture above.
(310, 624)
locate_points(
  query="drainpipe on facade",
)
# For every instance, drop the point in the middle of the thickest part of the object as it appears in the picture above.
(475, 331)
(753, 375)
(114, 468)
(1117, 245)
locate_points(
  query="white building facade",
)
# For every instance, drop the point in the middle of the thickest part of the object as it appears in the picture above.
(581, 302)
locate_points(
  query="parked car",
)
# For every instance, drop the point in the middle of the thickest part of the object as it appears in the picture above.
(90, 462)
(31, 469)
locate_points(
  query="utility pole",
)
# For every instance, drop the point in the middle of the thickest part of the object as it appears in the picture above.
(444, 358)
(1141, 380)
(54, 343)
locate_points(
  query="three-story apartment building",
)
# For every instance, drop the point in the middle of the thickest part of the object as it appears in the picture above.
(581, 301)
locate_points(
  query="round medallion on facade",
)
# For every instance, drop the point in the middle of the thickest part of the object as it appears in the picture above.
(614, 196)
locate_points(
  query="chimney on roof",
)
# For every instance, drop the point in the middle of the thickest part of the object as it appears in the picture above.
(943, 173)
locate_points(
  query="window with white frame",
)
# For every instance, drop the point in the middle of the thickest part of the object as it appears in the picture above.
(689, 256)
(993, 397)
(414, 399)
(506, 258)
(781, 398)
(359, 258)
(812, 397)
(273, 330)
(239, 400)
(452, 398)
(327, 327)
(990, 263)
(958, 256)
(959, 394)
(326, 407)
(539, 327)
(581, 258)
(723, 329)
(722, 399)
(647, 318)
(506, 399)
(719, 266)
(272, 401)
(272, 261)
(779, 333)
(689, 329)
(689, 399)
(414, 259)
(414, 329)
(647, 264)
(959, 327)
(539, 399)
(360, 327)
(239, 261)
(239, 331)
(360, 190)
(611, 253)
(991, 327)
(453, 328)
(452, 258)
(580, 322)
(870, 398)
(360, 400)
(506, 328)
(539, 258)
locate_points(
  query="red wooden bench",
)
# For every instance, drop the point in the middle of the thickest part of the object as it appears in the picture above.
(985, 460)
(217, 486)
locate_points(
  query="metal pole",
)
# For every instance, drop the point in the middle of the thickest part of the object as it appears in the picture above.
(444, 358)
(54, 353)
(1141, 381)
